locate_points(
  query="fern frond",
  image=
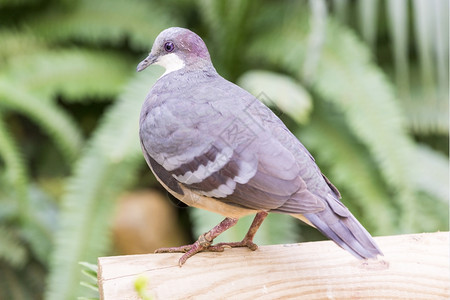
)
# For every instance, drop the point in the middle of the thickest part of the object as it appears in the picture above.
(15, 174)
(425, 118)
(347, 78)
(352, 169)
(107, 166)
(90, 273)
(424, 31)
(426, 115)
(72, 73)
(39, 228)
(15, 42)
(433, 215)
(279, 90)
(107, 22)
(12, 249)
(368, 16)
(397, 15)
(341, 10)
(430, 173)
(282, 46)
(53, 120)
(212, 15)
(228, 24)
(316, 37)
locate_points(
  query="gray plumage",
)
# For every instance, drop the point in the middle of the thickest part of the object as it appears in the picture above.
(203, 134)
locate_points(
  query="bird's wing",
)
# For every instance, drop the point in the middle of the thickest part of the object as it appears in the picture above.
(219, 151)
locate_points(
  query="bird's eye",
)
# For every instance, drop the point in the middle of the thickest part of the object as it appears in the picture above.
(168, 46)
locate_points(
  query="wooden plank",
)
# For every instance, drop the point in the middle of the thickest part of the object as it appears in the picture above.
(415, 266)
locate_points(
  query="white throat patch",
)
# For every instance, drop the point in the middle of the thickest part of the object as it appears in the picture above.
(171, 62)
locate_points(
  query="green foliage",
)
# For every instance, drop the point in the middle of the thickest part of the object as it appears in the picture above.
(367, 100)
(21, 283)
(105, 22)
(280, 90)
(346, 78)
(14, 173)
(140, 286)
(85, 58)
(430, 173)
(353, 171)
(90, 272)
(228, 24)
(418, 32)
(73, 73)
(106, 168)
(11, 249)
(24, 249)
(53, 120)
(64, 60)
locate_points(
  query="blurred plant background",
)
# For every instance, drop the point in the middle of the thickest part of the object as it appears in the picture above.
(363, 84)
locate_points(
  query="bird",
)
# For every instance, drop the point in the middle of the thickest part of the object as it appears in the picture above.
(215, 146)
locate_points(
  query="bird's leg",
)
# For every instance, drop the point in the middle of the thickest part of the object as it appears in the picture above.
(203, 243)
(248, 239)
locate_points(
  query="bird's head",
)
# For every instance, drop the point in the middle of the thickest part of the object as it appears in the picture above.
(176, 48)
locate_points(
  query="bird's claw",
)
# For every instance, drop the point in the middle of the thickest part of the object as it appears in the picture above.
(244, 243)
(203, 244)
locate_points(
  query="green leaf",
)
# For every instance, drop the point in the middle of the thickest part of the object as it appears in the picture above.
(315, 39)
(279, 90)
(108, 22)
(140, 286)
(12, 249)
(89, 266)
(348, 79)
(351, 169)
(228, 22)
(397, 14)
(55, 121)
(368, 15)
(15, 175)
(20, 284)
(430, 173)
(426, 115)
(341, 9)
(89, 285)
(73, 73)
(108, 166)
(39, 227)
(18, 42)
(441, 45)
(423, 14)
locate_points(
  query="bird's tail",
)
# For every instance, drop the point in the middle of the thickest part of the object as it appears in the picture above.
(343, 228)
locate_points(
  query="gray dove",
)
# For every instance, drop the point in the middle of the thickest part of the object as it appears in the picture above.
(214, 146)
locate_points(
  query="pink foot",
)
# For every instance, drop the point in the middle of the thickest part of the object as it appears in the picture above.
(204, 242)
(244, 243)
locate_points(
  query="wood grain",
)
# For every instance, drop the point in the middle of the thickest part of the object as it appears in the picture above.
(415, 266)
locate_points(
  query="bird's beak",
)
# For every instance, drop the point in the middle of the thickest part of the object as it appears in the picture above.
(146, 62)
